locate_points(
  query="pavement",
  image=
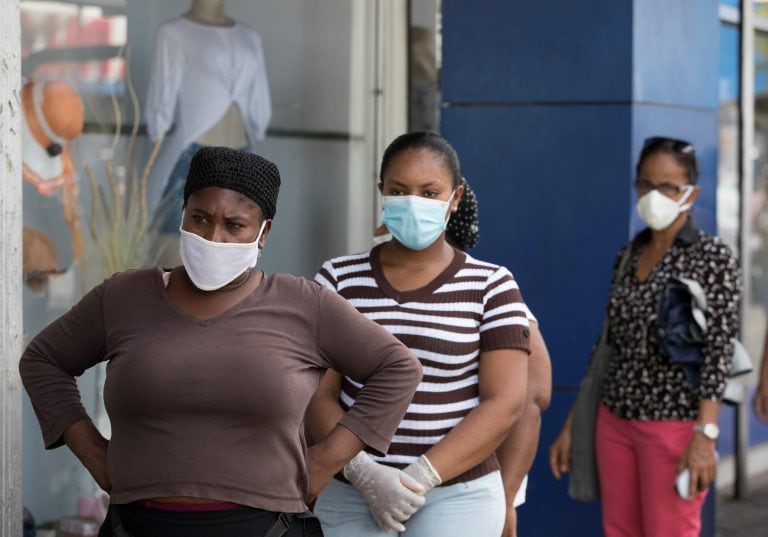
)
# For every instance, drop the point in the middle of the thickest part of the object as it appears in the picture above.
(747, 517)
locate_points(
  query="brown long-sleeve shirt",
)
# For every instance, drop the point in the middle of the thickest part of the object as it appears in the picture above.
(214, 408)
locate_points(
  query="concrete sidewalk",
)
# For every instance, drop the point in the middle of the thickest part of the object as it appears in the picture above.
(747, 517)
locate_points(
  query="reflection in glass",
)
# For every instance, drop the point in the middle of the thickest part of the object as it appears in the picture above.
(728, 188)
(757, 208)
(319, 57)
(423, 59)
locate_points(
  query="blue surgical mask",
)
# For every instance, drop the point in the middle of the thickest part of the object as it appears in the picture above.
(415, 222)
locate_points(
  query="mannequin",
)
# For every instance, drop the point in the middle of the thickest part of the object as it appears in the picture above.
(209, 12)
(230, 130)
(209, 81)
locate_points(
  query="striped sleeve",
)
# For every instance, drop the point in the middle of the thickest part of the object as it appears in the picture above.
(505, 316)
(326, 276)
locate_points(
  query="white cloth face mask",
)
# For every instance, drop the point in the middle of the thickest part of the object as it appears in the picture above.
(658, 211)
(36, 158)
(212, 265)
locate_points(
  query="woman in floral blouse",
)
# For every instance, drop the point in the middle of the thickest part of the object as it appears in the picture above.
(655, 421)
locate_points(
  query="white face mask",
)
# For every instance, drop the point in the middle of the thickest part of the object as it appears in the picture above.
(658, 211)
(212, 265)
(36, 159)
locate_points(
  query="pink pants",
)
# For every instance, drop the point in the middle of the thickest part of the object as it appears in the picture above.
(637, 463)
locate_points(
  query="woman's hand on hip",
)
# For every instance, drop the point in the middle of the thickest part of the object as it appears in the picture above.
(328, 457)
(701, 461)
(319, 473)
(87, 443)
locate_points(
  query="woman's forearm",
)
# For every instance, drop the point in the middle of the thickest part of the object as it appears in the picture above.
(474, 439)
(324, 411)
(502, 386)
(90, 447)
(709, 411)
(86, 442)
(518, 450)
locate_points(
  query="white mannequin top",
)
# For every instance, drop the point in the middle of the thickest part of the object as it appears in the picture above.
(203, 70)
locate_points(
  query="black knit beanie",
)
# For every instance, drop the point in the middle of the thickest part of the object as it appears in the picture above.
(249, 174)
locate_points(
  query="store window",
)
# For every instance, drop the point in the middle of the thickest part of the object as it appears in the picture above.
(755, 320)
(116, 94)
(728, 173)
(424, 66)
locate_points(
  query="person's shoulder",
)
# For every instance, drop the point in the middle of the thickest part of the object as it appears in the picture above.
(291, 289)
(349, 263)
(290, 286)
(350, 259)
(290, 281)
(480, 267)
(132, 277)
(174, 26)
(128, 285)
(248, 31)
(714, 245)
(129, 276)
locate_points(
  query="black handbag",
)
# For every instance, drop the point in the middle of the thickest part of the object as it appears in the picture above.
(584, 484)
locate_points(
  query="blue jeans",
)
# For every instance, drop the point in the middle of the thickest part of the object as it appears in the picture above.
(476, 508)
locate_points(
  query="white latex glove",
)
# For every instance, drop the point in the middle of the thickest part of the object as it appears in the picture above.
(424, 473)
(392, 496)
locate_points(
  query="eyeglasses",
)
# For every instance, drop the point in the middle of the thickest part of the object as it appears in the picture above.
(643, 186)
(678, 146)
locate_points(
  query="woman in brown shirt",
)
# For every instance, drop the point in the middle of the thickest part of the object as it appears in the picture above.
(210, 367)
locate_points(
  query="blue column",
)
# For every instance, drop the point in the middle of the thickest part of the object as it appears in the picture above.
(547, 104)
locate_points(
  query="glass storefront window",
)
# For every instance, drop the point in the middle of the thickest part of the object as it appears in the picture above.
(757, 206)
(424, 66)
(94, 62)
(728, 185)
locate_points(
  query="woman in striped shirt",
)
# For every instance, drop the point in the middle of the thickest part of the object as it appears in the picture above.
(466, 322)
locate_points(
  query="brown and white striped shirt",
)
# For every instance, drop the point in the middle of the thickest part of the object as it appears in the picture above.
(470, 308)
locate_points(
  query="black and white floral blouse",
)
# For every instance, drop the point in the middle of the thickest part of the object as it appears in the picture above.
(641, 384)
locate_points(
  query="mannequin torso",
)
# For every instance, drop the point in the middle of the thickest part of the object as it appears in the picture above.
(229, 131)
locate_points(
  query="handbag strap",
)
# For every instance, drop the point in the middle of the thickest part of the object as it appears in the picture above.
(616, 277)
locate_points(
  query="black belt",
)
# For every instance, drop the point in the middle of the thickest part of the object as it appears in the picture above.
(277, 529)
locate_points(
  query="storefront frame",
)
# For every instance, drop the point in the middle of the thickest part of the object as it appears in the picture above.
(10, 270)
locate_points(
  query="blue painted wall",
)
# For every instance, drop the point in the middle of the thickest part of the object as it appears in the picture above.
(547, 105)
